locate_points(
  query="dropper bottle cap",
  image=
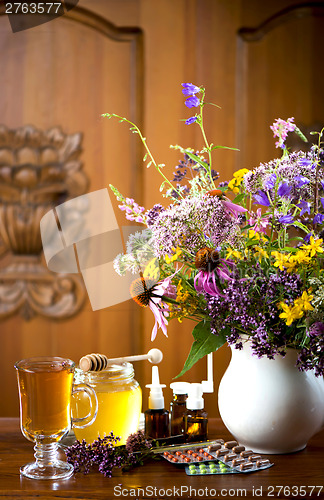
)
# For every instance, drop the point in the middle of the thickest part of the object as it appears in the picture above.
(195, 400)
(156, 399)
(180, 387)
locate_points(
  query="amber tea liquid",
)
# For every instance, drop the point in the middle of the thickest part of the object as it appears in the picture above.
(45, 394)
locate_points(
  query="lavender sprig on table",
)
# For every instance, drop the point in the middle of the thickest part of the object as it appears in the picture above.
(106, 455)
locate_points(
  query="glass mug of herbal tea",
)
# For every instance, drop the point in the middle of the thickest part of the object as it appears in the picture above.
(45, 390)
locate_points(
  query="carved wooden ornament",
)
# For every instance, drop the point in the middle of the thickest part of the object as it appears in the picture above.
(38, 171)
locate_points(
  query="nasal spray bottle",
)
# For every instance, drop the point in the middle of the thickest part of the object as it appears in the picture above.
(157, 418)
(195, 417)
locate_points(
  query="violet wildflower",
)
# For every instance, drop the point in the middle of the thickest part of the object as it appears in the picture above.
(283, 189)
(270, 181)
(301, 181)
(316, 329)
(134, 212)
(280, 129)
(138, 442)
(312, 355)
(191, 120)
(193, 220)
(286, 219)
(214, 174)
(262, 199)
(146, 292)
(304, 162)
(258, 223)
(192, 102)
(250, 306)
(102, 453)
(233, 208)
(318, 219)
(209, 264)
(190, 89)
(305, 207)
(153, 214)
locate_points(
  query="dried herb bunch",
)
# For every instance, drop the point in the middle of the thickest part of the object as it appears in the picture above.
(105, 454)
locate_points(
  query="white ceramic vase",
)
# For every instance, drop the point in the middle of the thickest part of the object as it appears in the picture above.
(269, 406)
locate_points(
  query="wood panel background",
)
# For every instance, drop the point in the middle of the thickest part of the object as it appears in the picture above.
(69, 71)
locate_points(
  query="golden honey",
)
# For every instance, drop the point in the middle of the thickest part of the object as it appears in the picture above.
(119, 402)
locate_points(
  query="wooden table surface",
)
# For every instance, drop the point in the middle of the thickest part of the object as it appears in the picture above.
(298, 475)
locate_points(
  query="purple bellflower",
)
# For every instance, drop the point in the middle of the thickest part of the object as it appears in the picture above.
(190, 89)
(262, 199)
(304, 162)
(305, 207)
(302, 181)
(284, 189)
(191, 120)
(192, 102)
(318, 219)
(286, 219)
(270, 181)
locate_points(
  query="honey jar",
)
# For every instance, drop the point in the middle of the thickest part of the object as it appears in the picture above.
(119, 402)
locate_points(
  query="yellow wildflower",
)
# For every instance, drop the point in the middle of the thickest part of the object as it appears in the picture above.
(186, 304)
(290, 313)
(232, 186)
(231, 252)
(152, 269)
(281, 259)
(290, 263)
(304, 302)
(253, 234)
(314, 246)
(177, 252)
(260, 253)
(181, 296)
(237, 180)
(240, 173)
(302, 257)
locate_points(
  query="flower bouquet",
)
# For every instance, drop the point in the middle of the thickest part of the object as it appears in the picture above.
(242, 259)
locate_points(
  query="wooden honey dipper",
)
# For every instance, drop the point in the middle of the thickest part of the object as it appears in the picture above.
(96, 362)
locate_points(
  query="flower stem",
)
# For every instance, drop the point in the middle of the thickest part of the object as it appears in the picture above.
(134, 128)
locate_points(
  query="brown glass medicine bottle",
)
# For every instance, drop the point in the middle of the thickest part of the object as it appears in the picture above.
(195, 418)
(178, 407)
(157, 418)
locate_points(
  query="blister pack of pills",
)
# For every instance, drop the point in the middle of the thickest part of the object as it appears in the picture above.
(236, 456)
(229, 453)
(207, 468)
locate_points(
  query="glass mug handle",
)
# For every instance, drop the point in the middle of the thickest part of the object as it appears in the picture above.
(93, 401)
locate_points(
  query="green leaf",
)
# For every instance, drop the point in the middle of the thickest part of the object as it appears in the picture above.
(301, 226)
(224, 147)
(251, 242)
(296, 238)
(239, 198)
(196, 159)
(204, 343)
